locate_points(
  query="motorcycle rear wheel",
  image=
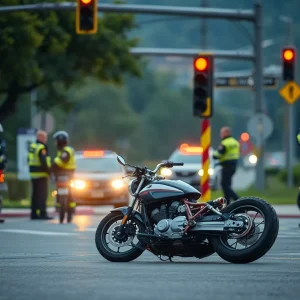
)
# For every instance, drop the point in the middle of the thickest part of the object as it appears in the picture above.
(261, 245)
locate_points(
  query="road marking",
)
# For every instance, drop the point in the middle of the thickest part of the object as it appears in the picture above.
(35, 232)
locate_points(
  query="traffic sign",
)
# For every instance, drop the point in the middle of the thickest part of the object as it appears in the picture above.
(243, 82)
(260, 125)
(44, 121)
(290, 92)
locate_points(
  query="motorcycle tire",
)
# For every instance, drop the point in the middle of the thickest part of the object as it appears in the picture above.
(62, 209)
(101, 244)
(264, 243)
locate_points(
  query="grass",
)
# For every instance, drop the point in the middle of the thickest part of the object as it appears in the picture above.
(275, 193)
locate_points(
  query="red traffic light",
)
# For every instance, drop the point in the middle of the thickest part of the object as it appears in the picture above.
(288, 54)
(201, 64)
(86, 1)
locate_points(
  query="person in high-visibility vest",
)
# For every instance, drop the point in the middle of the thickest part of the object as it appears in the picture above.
(64, 163)
(39, 163)
(228, 154)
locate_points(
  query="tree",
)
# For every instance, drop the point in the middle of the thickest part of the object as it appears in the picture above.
(43, 49)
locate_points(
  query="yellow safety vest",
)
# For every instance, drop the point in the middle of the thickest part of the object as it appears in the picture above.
(34, 162)
(232, 150)
(71, 164)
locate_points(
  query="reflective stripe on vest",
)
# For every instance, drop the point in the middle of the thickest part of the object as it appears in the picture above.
(71, 164)
(34, 162)
(232, 150)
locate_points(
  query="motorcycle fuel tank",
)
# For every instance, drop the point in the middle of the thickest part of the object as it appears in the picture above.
(168, 190)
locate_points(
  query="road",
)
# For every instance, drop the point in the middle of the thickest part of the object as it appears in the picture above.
(243, 179)
(47, 260)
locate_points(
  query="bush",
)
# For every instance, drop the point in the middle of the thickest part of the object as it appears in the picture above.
(17, 189)
(271, 171)
(282, 175)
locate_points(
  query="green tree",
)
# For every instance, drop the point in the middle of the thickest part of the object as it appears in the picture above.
(43, 49)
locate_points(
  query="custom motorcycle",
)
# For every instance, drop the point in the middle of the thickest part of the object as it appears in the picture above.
(166, 219)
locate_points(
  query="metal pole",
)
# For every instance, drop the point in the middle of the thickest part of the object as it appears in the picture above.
(213, 13)
(290, 123)
(205, 126)
(259, 100)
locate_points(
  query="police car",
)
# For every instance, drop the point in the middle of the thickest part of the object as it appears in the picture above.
(98, 179)
(192, 170)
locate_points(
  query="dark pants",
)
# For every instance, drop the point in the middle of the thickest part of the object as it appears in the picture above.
(39, 196)
(227, 173)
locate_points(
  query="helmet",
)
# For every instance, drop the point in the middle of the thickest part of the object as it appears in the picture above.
(61, 137)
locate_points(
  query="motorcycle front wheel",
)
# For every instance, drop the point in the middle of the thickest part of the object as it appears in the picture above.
(256, 239)
(115, 248)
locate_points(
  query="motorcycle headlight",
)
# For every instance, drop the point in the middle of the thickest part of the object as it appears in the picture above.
(117, 184)
(132, 186)
(78, 184)
(166, 172)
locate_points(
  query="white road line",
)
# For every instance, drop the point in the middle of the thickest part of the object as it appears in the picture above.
(35, 232)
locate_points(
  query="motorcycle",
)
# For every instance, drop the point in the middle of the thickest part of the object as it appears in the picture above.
(63, 198)
(166, 219)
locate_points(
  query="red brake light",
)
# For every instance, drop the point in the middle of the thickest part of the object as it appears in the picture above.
(185, 148)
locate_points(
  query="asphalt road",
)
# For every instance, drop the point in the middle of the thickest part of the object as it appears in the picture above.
(243, 179)
(47, 260)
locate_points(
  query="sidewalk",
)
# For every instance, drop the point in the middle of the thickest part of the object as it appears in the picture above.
(283, 211)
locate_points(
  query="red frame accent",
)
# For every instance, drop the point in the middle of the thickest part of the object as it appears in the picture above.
(196, 206)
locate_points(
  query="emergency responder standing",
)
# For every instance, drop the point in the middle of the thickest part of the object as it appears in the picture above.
(228, 154)
(64, 163)
(39, 168)
(3, 162)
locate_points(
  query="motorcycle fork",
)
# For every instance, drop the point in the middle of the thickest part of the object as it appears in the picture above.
(127, 216)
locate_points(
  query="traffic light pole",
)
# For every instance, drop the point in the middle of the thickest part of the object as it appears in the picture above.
(259, 96)
(205, 126)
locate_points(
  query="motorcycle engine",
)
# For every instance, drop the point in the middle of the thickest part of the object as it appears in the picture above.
(169, 220)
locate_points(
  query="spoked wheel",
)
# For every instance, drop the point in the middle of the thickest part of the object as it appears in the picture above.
(256, 238)
(123, 248)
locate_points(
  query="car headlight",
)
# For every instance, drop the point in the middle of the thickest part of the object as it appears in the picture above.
(117, 184)
(253, 159)
(78, 184)
(210, 172)
(166, 172)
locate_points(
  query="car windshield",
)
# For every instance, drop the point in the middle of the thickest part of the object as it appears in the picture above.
(187, 159)
(98, 165)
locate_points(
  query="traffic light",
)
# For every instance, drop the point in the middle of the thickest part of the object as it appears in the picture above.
(86, 16)
(203, 86)
(288, 63)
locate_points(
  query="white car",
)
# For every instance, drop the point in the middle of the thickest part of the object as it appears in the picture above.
(192, 170)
